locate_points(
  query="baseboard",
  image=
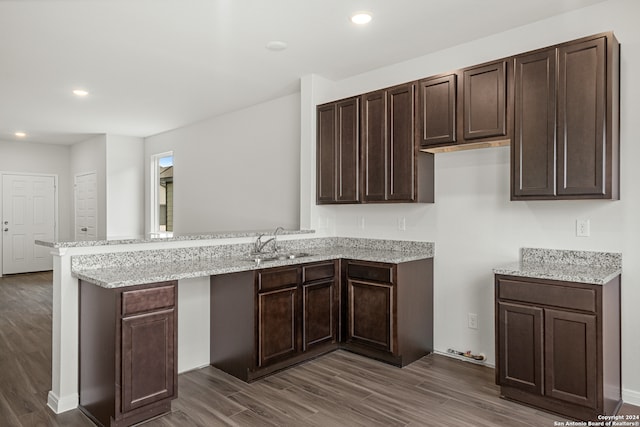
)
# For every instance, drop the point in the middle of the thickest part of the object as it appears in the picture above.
(631, 397)
(196, 368)
(464, 359)
(60, 405)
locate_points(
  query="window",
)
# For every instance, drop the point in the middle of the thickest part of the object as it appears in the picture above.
(161, 195)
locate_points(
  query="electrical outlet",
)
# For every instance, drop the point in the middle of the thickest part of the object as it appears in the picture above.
(583, 228)
(472, 321)
(402, 223)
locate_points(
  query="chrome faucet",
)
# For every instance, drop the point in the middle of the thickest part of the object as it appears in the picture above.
(259, 245)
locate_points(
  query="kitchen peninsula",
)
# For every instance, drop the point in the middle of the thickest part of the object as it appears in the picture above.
(336, 268)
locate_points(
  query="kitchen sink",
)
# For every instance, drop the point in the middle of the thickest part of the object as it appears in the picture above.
(259, 258)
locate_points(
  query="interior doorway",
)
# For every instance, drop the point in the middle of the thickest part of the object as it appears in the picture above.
(85, 192)
(29, 213)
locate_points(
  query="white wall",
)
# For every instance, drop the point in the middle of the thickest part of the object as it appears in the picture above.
(91, 156)
(473, 223)
(27, 157)
(125, 187)
(238, 171)
(51, 159)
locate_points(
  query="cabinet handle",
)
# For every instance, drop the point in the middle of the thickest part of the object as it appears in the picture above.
(83, 229)
(6, 229)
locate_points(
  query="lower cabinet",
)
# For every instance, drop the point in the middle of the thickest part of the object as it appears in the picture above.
(128, 348)
(558, 345)
(281, 316)
(389, 310)
(285, 315)
(278, 314)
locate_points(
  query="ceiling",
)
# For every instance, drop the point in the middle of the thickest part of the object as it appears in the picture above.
(155, 65)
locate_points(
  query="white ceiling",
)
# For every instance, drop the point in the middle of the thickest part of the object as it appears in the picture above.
(155, 65)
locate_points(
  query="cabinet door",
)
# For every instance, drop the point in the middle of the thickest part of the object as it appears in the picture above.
(437, 110)
(534, 144)
(148, 358)
(370, 314)
(571, 357)
(581, 117)
(485, 113)
(374, 145)
(277, 325)
(326, 154)
(401, 145)
(319, 313)
(348, 151)
(520, 330)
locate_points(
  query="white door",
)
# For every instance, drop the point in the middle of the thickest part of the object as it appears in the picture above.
(86, 206)
(28, 214)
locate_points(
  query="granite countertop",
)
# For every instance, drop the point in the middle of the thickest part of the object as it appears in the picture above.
(115, 277)
(175, 238)
(596, 268)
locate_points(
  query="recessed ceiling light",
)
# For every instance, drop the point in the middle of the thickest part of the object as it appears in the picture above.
(276, 45)
(20, 134)
(80, 92)
(361, 18)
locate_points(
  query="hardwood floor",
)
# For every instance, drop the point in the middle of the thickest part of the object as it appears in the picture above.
(339, 389)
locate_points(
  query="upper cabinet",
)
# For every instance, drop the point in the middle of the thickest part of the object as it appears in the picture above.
(534, 145)
(392, 171)
(338, 152)
(436, 112)
(566, 143)
(367, 152)
(484, 101)
(558, 108)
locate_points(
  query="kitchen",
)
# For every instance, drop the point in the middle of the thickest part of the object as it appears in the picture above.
(472, 218)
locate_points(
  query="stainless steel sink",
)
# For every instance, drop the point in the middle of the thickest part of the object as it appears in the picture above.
(260, 258)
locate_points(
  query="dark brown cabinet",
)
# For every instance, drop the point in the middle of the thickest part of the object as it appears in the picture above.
(338, 152)
(436, 112)
(534, 144)
(371, 312)
(484, 101)
(389, 310)
(374, 146)
(277, 319)
(282, 316)
(393, 170)
(320, 305)
(128, 345)
(566, 143)
(558, 345)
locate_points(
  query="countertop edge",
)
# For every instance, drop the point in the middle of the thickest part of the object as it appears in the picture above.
(191, 237)
(562, 277)
(237, 265)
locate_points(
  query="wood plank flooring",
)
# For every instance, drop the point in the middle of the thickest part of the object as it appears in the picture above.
(338, 389)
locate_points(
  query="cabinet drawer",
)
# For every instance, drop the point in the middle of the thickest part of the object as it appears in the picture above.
(552, 295)
(318, 271)
(277, 278)
(378, 273)
(142, 300)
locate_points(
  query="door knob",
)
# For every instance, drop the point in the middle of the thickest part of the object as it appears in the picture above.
(6, 229)
(83, 229)
(6, 222)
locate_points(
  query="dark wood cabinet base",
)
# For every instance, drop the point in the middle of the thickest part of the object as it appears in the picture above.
(558, 345)
(128, 345)
(558, 407)
(320, 325)
(134, 417)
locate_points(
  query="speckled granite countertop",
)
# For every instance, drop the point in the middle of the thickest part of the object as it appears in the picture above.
(175, 238)
(128, 275)
(596, 268)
